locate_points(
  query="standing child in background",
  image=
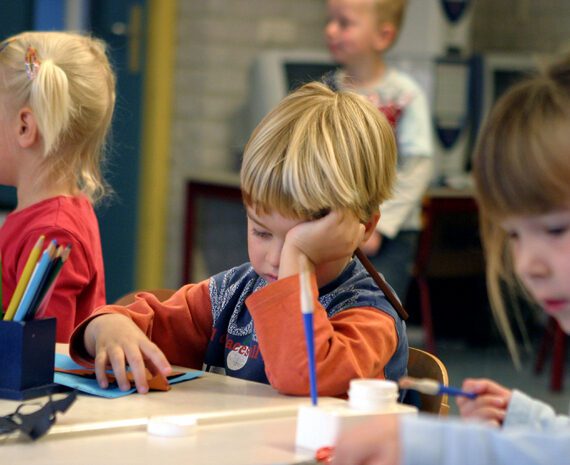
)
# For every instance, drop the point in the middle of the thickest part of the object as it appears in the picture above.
(521, 168)
(358, 34)
(308, 191)
(57, 94)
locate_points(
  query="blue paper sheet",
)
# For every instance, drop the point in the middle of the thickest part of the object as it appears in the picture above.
(90, 386)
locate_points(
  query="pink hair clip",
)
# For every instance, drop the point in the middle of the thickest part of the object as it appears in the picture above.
(32, 63)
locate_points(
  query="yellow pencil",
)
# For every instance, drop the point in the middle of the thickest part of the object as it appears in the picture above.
(24, 278)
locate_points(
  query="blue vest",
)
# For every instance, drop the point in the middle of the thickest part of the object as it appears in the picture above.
(234, 349)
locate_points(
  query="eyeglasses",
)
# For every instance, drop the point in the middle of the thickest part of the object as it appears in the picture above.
(35, 419)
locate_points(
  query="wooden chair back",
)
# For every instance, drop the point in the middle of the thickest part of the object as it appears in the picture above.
(422, 364)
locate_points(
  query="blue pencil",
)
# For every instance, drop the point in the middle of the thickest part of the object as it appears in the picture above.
(432, 387)
(36, 281)
(307, 310)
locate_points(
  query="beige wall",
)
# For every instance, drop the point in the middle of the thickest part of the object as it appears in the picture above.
(521, 25)
(217, 40)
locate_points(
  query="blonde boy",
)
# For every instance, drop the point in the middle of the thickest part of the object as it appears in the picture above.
(308, 190)
(358, 34)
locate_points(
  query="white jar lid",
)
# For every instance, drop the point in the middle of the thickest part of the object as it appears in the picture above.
(372, 394)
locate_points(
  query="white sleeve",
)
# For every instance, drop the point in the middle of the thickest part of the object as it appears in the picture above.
(413, 179)
(430, 440)
(526, 411)
(414, 130)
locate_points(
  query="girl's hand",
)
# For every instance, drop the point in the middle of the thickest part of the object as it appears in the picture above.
(114, 339)
(332, 237)
(491, 403)
(376, 441)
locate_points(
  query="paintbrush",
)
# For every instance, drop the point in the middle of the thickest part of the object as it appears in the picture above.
(432, 387)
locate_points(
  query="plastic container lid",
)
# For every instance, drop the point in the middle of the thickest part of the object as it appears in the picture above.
(372, 394)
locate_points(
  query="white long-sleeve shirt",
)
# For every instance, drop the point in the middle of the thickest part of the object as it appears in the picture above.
(532, 434)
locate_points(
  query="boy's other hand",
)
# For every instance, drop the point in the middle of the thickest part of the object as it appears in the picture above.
(114, 339)
(491, 403)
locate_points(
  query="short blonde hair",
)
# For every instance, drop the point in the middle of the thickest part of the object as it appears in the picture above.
(72, 96)
(320, 150)
(522, 167)
(391, 11)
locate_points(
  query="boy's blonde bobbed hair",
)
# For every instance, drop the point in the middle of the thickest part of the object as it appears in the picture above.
(72, 96)
(320, 150)
(522, 167)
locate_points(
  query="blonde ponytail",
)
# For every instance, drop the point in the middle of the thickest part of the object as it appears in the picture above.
(51, 102)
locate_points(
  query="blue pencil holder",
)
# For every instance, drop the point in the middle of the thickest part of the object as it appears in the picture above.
(27, 357)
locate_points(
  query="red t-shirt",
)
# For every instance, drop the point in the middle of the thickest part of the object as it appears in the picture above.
(80, 287)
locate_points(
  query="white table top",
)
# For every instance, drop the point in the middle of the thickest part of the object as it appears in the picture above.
(258, 442)
(238, 422)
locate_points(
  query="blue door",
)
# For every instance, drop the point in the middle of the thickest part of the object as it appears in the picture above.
(121, 24)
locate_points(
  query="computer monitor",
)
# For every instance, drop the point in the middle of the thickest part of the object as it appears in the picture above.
(275, 73)
(492, 75)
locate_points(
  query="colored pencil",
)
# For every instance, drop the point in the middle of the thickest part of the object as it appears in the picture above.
(37, 279)
(432, 387)
(48, 290)
(24, 278)
(44, 284)
(307, 309)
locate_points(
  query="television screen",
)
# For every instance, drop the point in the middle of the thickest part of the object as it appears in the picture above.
(505, 78)
(298, 74)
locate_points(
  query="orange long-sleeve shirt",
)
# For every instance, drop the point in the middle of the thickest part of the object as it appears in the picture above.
(355, 342)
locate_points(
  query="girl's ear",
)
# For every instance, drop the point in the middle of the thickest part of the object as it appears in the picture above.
(370, 226)
(28, 133)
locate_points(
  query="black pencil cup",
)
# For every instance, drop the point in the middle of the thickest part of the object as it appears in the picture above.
(27, 356)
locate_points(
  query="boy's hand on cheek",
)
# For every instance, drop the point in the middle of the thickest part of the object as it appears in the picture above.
(332, 237)
(114, 339)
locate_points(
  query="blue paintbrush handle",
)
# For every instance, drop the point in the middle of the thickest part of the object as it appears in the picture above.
(456, 392)
(310, 338)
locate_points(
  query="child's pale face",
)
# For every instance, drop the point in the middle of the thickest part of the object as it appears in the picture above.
(540, 247)
(352, 31)
(266, 234)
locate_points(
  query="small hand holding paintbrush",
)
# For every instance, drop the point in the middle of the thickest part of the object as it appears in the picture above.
(432, 387)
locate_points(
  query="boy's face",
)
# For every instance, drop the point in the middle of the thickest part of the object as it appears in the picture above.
(266, 235)
(540, 248)
(352, 31)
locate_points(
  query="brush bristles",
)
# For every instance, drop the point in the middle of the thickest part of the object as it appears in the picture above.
(423, 385)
